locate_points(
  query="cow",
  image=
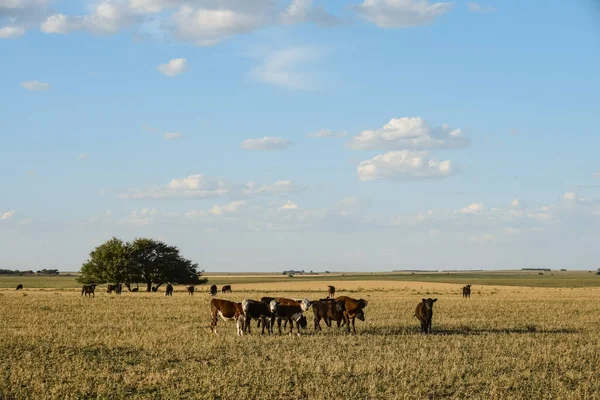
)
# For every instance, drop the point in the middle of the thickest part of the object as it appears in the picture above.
(88, 290)
(19, 286)
(117, 288)
(424, 312)
(228, 310)
(289, 313)
(352, 309)
(321, 311)
(169, 290)
(331, 293)
(226, 289)
(191, 290)
(135, 289)
(260, 311)
(467, 291)
(213, 290)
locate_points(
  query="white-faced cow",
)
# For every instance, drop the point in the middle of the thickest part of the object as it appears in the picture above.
(229, 311)
(352, 309)
(289, 313)
(260, 311)
(424, 313)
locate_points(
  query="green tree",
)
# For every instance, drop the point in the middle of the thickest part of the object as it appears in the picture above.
(109, 262)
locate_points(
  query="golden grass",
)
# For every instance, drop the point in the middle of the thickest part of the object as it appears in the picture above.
(503, 343)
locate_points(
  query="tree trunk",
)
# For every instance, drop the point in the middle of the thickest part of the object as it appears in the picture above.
(149, 286)
(158, 285)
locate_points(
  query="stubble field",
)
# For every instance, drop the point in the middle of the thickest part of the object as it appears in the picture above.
(503, 343)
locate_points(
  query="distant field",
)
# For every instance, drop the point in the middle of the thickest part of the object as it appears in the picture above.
(503, 343)
(495, 278)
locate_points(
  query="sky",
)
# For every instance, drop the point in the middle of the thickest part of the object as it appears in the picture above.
(266, 135)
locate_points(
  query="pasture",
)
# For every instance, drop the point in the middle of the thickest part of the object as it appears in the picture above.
(506, 342)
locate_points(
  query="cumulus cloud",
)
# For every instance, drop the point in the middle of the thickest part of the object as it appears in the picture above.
(478, 8)
(401, 13)
(265, 143)
(279, 188)
(172, 135)
(325, 133)
(570, 197)
(35, 86)
(197, 185)
(7, 215)
(409, 133)
(174, 67)
(303, 10)
(289, 205)
(517, 204)
(225, 209)
(11, 32)
(403, 165)
(472, 208)
(284, 68)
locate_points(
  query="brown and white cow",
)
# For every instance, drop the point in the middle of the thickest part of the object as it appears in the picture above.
(229, 311)
(352, 309)
(289, 313)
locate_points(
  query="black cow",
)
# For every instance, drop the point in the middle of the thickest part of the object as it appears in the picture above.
(213, 290)
(88, 290)
(226, 289)
(290, 314)
(19, 286)
(169, 290)
(191, 290)
(260, 311)
(467, 291)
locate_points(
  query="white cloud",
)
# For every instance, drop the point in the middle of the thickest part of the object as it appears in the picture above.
(401, 13)
(289, 205)
(83, 156)
(409, 133)
(517, 204)
(323, 133)
(303, 10)
(191, 186)
(280, 68)
(282, 187)
(145, 216)
(7, 215)
(473, 208)
(172, 135)
(478, 8)
(221, 210)
(265, 143)
(174, 67)
(35, 86)
(570, 197)
(11, 32)
(402, 165)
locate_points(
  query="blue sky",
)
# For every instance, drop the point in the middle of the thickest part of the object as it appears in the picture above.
(275, 134)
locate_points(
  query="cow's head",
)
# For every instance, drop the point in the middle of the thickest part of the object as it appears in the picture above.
(305, 304)
(361, 315)
(429, 303)
(273, 306)
(302, 322)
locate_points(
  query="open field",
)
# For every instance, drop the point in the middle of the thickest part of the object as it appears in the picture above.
(505, 342)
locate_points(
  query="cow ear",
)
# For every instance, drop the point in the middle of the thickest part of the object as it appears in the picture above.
(424, 300)
(434, 300)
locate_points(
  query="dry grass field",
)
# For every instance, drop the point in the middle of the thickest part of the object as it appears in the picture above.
(503, 343)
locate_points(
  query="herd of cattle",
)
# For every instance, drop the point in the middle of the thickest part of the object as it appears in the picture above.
(343, 309)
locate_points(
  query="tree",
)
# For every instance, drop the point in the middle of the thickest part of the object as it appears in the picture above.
(142, 261)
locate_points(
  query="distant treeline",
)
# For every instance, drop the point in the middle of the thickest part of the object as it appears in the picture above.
(462, 270)
(29, 272)
(415, 270)
(536, 269)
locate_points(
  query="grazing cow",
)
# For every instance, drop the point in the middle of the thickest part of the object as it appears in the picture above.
(467, 291)
(424, 312)
(114, 288)
(213, 290)
(88, 290)
(135, 289)
(169, 290)
(331, 292)
(19, 287)
(228, 310)
(321, 311)
(289, 313)
(226, 289)
(352, 309)
(191, 290)
(260, 311)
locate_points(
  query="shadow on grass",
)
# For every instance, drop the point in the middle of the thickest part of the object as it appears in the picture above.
(392, 331)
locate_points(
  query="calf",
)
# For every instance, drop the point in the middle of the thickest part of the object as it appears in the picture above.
(213, 290)
(226, 289)
(352, 309)
(88, 290)
(228, 310)
(191, 290)
(424, 313)
(321, 310)
(169, 290)
(331, 293)
(260, 311)
(19, 287)
(289, 313)
(467, 291)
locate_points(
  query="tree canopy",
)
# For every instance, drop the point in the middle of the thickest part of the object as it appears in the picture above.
(144, 260)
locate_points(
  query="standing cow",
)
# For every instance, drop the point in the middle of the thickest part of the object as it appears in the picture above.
(467, 291)
(88, 290)
(260, 311)
(226, 289)
(19, 286)
(353, 309)
(331, 292)
(228, 310)
(289, 313)
(424, 313)
(213, 290)
(169, 290)
(191, 290)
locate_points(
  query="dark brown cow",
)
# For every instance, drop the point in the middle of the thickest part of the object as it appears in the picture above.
(467, 291)
(213, 290)
(88, 290)
(424, 313)
(321, 310)
(169, 290)
(228, 310)
(226, 289)
(260, 311)
(135, 289)
(331, 293)
(289, 313)
(117, 288)
(191, 290)
(19, 287)
(352, 309)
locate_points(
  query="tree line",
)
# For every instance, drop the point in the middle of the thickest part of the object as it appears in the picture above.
(145, 261)
(29, 272)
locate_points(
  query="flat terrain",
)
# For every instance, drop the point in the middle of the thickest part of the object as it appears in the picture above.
(505, 342)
